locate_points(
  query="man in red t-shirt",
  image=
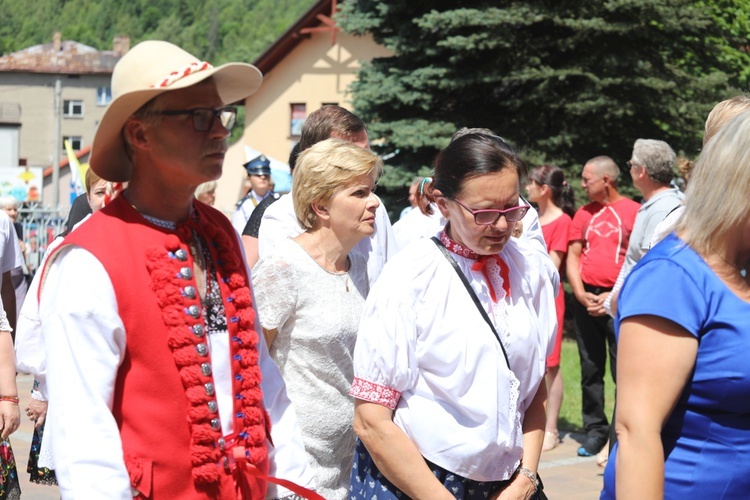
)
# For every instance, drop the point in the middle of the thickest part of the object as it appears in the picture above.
(598, 240)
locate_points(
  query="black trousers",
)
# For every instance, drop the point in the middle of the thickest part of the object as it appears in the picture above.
(595, 336)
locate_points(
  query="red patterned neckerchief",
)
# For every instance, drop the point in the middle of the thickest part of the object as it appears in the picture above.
(483, 263)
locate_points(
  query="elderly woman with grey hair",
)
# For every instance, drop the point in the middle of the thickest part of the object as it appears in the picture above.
(206, 193)
(310, 294)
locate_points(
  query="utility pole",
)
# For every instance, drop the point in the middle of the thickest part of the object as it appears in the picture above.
(58, 144)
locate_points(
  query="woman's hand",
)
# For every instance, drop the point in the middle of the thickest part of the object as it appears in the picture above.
(520, 488)
(11, 418)
(37, 411)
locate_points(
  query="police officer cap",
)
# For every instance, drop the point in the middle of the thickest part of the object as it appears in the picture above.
(258, 166)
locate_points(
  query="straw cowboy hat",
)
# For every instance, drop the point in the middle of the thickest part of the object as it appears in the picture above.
(146, 71)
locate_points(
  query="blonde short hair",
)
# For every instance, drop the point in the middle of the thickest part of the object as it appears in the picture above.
(716, 197)
(206, 187)
(90, 179)
(324, 169)
(722, 113)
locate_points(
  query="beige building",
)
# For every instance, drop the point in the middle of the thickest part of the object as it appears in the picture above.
(60, 85)
(308, 66)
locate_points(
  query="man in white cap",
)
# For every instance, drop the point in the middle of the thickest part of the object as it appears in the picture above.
(161, 385)
(259, 176)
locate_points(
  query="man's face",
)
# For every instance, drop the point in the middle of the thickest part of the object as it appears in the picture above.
(260, 184)
(593, 183)
(180, 156)
(637, 170)
(413, 194)
(12, 212)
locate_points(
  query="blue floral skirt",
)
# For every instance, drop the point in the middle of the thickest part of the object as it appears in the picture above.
(368, 483)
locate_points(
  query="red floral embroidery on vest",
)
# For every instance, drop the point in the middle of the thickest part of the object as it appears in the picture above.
(251, 422)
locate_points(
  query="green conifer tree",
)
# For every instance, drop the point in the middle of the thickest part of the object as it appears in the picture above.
(562, 80)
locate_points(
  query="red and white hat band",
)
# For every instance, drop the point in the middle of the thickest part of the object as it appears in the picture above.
(182, 73)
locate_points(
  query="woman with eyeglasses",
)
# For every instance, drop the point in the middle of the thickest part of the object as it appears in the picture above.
(450, 357)
(553, 195)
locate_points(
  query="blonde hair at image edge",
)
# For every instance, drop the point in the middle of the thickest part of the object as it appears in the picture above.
(722, 113)
(325, 168)
(716, 197)
(90, 179)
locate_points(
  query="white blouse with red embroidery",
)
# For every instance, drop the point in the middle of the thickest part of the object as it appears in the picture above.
(425, 351)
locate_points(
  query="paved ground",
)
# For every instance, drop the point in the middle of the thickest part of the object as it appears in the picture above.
(565, 475)
(21, 441)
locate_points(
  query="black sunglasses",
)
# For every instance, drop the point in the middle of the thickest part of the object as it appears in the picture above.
(203, 118)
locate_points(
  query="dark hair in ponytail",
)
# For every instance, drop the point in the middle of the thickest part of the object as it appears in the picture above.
(562, 193)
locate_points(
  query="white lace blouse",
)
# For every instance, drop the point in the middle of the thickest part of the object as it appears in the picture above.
(424, 350)
(317, 314)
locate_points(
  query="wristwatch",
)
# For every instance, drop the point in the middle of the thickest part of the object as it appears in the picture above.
(531, 475)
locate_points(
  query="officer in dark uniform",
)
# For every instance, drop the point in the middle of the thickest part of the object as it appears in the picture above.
(259, 175)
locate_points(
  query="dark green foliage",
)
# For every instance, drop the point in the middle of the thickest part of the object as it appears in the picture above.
(562, 80)
(218, 31)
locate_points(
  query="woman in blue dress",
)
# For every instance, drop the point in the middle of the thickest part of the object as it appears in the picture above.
(683, 394)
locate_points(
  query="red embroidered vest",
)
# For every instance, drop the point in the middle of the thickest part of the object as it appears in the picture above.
(164, 400)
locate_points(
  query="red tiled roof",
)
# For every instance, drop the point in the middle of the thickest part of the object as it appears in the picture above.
(72, 58)
(63, 163)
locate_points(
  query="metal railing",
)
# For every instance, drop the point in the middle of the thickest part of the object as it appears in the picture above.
(41, 222)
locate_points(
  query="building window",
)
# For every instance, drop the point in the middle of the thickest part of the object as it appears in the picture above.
(73, 109)
(75, 142)
(329, 104)
(299, 113)
(103, 96)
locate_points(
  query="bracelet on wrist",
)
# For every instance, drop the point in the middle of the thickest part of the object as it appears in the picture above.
(10, 399)
(523, 471)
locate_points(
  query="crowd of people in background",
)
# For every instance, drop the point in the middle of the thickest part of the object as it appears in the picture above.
(308, 348)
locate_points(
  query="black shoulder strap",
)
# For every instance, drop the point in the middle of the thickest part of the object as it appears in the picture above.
(473, 295)
(243, 199)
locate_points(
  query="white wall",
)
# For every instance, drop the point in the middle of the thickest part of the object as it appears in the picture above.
(9, 144)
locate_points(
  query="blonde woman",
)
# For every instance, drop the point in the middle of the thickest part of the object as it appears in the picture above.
(310, 294)
(684, 326)
(206, 193)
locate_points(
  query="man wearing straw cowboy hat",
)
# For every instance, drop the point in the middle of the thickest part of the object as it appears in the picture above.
(161, 385)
